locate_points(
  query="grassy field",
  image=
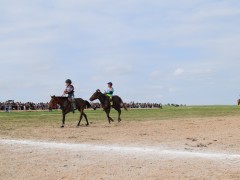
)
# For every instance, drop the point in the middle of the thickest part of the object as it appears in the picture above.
(196, 140)
(13, 120)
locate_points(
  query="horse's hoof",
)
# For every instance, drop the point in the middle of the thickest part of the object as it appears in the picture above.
(87, 124)
(62, 126)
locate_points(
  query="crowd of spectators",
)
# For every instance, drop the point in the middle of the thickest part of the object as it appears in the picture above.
(20, 106)
(144, 105)
(133, 105)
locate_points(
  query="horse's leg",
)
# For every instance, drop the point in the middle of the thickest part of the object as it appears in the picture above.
(118, 109)
(80, 119)
(85, 116)
(119, 115)
(106, 111)
(63, 119)
(108, 116)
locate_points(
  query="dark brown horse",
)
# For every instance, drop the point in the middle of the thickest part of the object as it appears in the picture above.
(66, 107)
(239, 102)
(116, 100)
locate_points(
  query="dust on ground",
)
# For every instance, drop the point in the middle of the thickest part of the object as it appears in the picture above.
(200, 135)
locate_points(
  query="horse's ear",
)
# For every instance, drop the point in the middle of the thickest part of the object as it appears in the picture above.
(98, 90)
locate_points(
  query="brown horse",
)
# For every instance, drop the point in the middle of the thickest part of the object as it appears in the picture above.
(117, 104)
(239, 102)
(66, 107)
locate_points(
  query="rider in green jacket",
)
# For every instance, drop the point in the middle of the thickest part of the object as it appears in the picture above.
(109, 92)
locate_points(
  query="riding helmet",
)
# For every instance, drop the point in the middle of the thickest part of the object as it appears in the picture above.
(110, 83)
(68, 81)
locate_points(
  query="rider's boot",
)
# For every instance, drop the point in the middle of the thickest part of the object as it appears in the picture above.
(111, 101)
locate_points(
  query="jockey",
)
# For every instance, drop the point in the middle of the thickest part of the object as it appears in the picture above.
(70, 92)
(109, 92)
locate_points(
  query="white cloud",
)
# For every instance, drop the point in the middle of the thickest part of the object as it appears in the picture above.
(179, 72)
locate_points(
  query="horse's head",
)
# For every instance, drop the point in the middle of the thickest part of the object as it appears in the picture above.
(96, 95)
(53, 103)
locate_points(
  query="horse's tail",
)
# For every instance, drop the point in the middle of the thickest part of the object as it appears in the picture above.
(123, 105)
(88, 105)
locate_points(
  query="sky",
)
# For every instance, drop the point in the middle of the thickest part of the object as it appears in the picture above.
(163, 51)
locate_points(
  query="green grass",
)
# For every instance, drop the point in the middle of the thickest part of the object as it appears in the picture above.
(26, 119)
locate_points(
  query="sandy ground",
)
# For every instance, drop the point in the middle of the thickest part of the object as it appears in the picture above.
(203, 148)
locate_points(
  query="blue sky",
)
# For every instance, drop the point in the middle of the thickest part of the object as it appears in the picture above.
(154, 51)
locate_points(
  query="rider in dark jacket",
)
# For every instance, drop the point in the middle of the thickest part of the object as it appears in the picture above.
(70, 92)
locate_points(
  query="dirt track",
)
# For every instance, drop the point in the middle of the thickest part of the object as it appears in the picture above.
(193, 149)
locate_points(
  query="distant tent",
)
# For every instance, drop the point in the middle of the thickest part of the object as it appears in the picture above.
(10, 101)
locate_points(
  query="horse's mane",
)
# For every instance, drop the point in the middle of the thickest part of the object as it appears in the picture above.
(60, 97)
